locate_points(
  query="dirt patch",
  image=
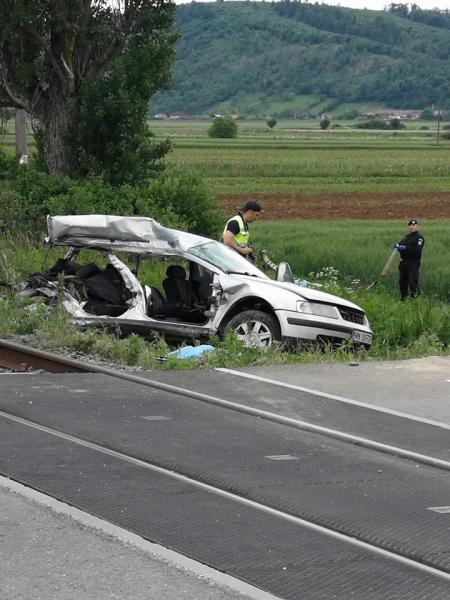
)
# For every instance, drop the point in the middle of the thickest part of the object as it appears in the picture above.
(345, 205)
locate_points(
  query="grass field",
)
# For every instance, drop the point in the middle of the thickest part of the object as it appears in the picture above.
(357, 249)
(297, 155)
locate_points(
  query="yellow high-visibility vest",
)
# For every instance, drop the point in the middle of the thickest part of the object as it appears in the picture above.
(240, 238)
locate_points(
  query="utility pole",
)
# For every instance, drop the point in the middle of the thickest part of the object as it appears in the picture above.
(21, 137)
(438, 125)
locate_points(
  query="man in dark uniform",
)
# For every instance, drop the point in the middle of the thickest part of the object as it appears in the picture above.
(410, 248)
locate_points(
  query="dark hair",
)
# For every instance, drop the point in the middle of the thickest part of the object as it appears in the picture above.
(251, 205)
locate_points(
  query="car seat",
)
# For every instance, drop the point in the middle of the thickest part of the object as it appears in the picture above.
(178, 290)
(204, 288)
(155, 301)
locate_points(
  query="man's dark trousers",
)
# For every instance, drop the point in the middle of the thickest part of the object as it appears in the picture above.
(409, 278)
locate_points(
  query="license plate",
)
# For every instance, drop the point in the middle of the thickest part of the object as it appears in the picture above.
(362, 337)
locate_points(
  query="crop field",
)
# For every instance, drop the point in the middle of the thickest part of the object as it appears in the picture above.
(358, 249)
(290, 159)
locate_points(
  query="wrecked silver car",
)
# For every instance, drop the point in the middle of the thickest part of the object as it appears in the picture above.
(206, 288)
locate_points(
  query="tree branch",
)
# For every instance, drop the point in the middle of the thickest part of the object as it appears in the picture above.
(131, 8)
(17, 102)
(48, 52)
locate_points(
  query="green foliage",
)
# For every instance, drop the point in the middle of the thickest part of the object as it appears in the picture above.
(409, 328)
(112, 135)
(373, 124)
(185, 195)
(175, 198)
(85, 72)
(324, 123)
(271, 122)
(223, 127)
(396, 124)
(279, 52)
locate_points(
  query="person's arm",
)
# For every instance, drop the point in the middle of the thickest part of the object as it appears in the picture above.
(228, 240)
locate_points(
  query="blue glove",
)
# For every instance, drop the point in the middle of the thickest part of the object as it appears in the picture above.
(400, 247)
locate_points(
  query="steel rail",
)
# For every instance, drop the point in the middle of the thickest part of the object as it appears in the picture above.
(21, 358)
(83, 366)
(407, 559)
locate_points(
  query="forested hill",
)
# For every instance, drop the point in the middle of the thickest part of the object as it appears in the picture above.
(262, 58)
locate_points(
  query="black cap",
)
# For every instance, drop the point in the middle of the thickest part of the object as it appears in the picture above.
(412, 222)
(252, 205)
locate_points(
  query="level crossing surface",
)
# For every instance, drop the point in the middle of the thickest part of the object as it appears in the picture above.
(377, 498)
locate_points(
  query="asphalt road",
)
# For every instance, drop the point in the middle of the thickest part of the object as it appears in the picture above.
(377, 498)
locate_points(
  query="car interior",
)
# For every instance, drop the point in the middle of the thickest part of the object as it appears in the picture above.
(186, 299)
(102, 290)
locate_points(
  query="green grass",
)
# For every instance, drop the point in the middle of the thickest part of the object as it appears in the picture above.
(296, 155)
(313, 169)
(358, 249)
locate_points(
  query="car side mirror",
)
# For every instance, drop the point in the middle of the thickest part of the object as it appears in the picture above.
(284, 273)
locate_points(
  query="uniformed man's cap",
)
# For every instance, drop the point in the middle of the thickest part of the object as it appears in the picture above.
(252, 205)
(412, 222)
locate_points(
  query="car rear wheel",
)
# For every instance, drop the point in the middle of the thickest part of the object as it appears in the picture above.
(255, 328)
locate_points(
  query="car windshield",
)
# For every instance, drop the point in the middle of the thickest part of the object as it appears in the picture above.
(225, 259)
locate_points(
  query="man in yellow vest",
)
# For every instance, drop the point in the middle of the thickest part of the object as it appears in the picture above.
(236, 233)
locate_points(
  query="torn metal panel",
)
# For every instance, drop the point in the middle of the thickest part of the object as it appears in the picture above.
(140, 235)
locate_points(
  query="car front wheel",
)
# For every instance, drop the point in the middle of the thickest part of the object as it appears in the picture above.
(255, 328)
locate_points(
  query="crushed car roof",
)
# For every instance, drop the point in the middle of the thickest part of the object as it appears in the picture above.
(141, 235)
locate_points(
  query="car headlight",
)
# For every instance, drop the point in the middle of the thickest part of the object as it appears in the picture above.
(320, 310)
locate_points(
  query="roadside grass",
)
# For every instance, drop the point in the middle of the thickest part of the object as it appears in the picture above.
(410, 329)
(357, 248)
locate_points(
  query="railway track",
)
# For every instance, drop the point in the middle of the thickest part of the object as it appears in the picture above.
(228, 495)
(20, 358)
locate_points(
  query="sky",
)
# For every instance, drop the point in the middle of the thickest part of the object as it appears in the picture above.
(372, 4)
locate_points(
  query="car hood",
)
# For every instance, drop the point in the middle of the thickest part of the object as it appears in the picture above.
(266, 288)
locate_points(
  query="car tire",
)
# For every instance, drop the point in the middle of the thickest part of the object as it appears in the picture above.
(255, 328)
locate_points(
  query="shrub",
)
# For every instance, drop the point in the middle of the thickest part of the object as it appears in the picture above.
(271, 122)
(223, 127)
(185, 195)
(395, 123)
(174, 198)
(373, 124)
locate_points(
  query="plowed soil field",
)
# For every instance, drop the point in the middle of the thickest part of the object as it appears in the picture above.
(345, 205)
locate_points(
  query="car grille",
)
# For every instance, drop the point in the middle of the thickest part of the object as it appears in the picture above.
(354, 316)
